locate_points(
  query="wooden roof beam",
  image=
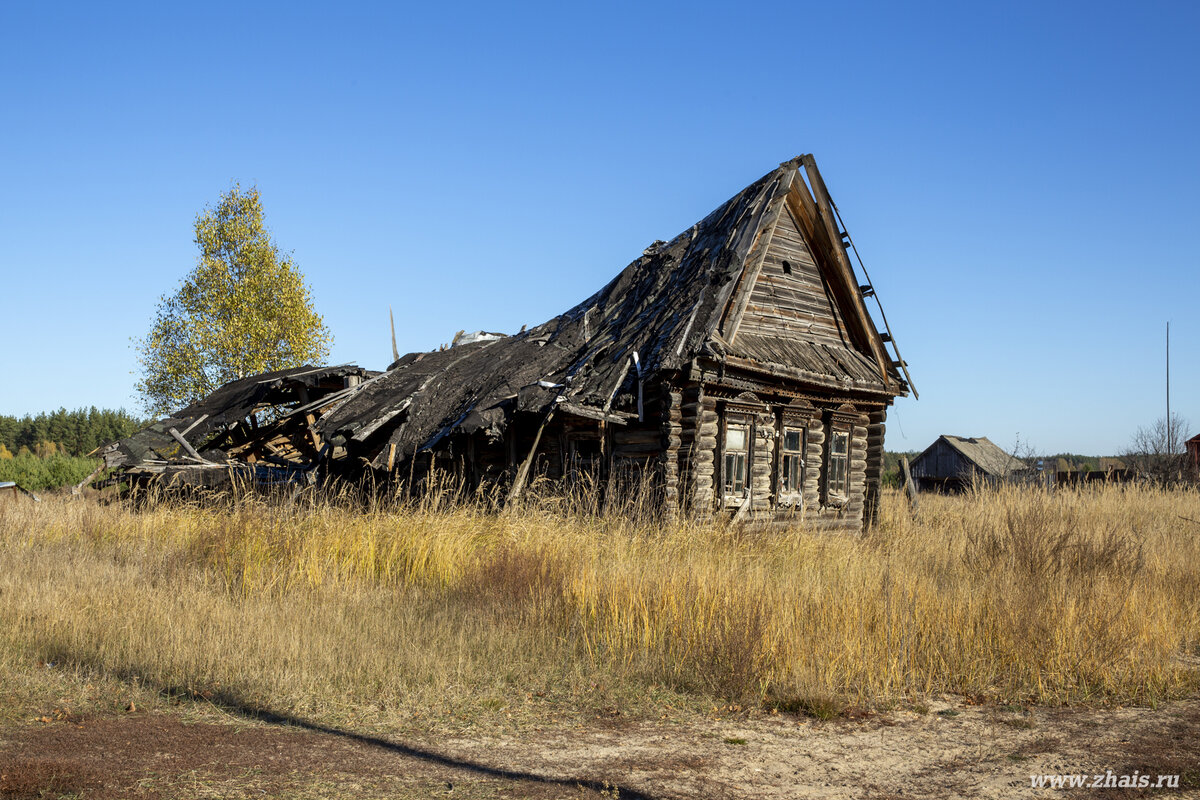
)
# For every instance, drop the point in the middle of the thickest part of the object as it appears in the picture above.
(804, 209)
(845, 270)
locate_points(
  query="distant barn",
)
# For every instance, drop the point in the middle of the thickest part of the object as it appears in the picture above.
(953, 463)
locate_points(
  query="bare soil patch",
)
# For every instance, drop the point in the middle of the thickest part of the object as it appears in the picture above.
(953, 750)
(159, 755)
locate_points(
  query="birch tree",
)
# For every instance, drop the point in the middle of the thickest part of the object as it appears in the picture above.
(243, 310)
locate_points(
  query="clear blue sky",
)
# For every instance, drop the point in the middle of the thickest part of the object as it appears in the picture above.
(1021, 179)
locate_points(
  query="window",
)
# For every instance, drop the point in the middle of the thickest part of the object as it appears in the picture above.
(737, 441)
(583, 458)
(791, 474)
(839, 456)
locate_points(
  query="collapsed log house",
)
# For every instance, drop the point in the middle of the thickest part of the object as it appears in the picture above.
(736, 367)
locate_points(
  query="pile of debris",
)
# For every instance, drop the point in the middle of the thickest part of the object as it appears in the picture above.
(262, 428)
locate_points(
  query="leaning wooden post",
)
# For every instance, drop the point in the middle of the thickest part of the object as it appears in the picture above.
(522, 475)
(910, 488)
(78, 488)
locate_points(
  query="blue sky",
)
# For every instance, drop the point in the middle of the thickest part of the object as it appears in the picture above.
(1021, 179)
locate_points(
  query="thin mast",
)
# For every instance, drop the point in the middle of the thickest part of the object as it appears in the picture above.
(1170, 441)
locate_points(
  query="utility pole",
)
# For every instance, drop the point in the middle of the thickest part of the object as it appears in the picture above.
(1170, 440)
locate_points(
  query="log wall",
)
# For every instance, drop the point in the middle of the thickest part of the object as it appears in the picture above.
(875, 433)
(689, 416)
(814, 472)
(675, 450)
(704, 454)
(762, 465)
(672, 434)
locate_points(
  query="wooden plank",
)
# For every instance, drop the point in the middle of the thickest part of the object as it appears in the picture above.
(574, 409)
(191, 451)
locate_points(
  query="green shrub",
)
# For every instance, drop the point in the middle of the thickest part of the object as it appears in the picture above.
(38, 474)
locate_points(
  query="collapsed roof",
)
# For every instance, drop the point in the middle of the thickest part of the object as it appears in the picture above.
(206, 431)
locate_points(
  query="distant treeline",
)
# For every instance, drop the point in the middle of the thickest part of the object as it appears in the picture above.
(73, 433)
(891, 461)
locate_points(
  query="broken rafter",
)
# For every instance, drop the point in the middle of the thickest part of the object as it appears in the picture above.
(191, 451)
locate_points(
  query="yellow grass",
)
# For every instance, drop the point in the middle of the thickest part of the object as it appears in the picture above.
(1012, 595)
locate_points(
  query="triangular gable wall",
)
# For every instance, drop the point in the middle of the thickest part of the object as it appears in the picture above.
(790, 296)
(809, 315)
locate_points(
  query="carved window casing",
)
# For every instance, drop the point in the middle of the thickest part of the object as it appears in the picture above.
(735, 467)
(738, 445)
(791, 452)
(839, 464)
(792, 443)
(839, 436)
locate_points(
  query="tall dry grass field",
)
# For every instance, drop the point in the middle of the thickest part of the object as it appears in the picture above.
(1014, 594)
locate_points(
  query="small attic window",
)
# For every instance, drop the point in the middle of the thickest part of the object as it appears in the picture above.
(787, 268)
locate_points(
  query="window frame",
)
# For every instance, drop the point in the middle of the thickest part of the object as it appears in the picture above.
(746, 425)
(837, 486)
(845, 420)
(578, 461)
(792, 495)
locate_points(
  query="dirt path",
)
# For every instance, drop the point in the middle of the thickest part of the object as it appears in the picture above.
(960, 751)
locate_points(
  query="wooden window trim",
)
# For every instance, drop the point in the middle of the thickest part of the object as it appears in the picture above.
(838, 494)
(798, 424)
(738, 419)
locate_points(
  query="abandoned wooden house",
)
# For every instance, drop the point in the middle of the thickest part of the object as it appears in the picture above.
(736, 367)
(954, 463)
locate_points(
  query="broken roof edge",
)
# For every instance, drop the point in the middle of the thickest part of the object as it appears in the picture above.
(216, 413)
(806, 378)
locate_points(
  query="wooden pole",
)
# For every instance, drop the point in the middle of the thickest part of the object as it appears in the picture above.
(392, 322)
(523, 472)
(191, 451)
(910, 488)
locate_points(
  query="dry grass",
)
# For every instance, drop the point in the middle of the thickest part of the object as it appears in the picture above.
(1014, 595)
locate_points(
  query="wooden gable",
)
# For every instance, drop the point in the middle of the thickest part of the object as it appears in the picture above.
(790, 296)
(798, 308)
